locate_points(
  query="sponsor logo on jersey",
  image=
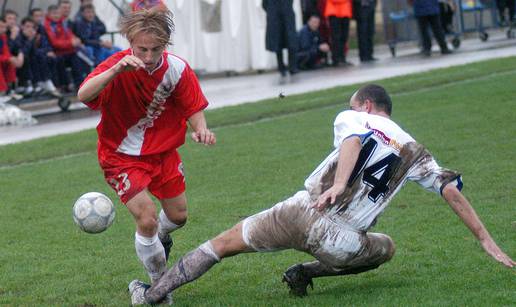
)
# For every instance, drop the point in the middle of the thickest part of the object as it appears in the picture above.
(384, 138)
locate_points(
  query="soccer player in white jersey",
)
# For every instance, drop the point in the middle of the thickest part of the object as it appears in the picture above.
(147, 96)
(330, 219)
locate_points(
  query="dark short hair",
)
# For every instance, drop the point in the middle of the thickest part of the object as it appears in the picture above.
(10, 12)
(377, 94)
(52, 7)
(87, 7)
(27, 19)
(36, 9)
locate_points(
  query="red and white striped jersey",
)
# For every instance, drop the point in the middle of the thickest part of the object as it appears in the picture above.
(145, 112)
(388, 158)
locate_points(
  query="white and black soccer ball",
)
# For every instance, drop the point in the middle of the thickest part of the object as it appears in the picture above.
(93, 212)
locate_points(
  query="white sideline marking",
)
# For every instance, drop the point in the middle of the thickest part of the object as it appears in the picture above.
(43, 161)
(278, 117)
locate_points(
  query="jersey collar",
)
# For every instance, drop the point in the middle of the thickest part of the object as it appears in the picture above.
(161, 60)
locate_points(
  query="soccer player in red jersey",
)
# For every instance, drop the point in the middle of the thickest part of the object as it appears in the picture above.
(146, 96)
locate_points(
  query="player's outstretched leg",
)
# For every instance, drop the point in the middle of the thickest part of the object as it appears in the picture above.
(379, 249)
(148, 247)
(191, 266)
(172, 217)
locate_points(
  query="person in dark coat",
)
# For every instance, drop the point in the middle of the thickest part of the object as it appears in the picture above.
(363, 12)
(509, 6)
(38, 66)
(427, 15)
(89, 29)
(281, 32)
(312, 49)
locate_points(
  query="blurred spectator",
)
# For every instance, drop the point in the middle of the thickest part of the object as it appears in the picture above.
(65, 45)
(137, 5)
(509, 6)
(339, 12)
(7, 67)
(38, 67)
(312, 50)
(65, 9)
(447, 9)
(10, 18)
(90, 29)
(427, 15)
(309, 8)
(13, 30)
(281, 32)
(38, 16)
(363, 12)
(78, 15)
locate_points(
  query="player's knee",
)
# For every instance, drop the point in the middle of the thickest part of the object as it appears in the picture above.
(180, 217)
(229, 243)
(390, 248)
(148, 224)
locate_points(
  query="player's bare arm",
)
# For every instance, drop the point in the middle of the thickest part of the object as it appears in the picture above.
(348, 155)
(201, 133)
(91, 89)
(467, 214)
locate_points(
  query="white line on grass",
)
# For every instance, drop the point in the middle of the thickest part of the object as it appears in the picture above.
(43, 161)
(282, 116)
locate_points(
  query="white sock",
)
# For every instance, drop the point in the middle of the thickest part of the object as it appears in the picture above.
(165, 226)
(49, 85)
(207, 247)
(151, 253)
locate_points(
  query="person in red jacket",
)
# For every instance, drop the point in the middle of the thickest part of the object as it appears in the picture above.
(339, 13)
(7, 67)
(66, 46)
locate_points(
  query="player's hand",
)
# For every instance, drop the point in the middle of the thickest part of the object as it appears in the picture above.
(494, 251)
(204, 136)
(328, 197)
(127, 63)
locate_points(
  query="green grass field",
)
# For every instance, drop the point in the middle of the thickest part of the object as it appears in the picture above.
(465, 115)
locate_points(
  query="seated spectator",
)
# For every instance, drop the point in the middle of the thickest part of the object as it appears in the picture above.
(39, 66)
(7, 67)
(13, 30)
(90, 29)
(67, 49)
(65, 8)
(78, 16)
(38, 16)
(312, 50)
(10, 18)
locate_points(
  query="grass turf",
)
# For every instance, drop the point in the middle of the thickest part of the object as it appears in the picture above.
(464, 115)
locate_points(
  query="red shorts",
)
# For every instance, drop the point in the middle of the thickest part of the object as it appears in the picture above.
(162, 174)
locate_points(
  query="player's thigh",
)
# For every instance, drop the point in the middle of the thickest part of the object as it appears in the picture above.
(334, 245)
(230, 242)
(283, 226)
(175, 208)
(168, 181)
(143, 210)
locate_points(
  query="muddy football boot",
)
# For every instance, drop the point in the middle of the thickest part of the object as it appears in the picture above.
(137, 291)
(167, 245)
(297, 280)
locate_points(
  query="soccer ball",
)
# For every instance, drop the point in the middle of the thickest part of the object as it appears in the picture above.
(93, 212)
